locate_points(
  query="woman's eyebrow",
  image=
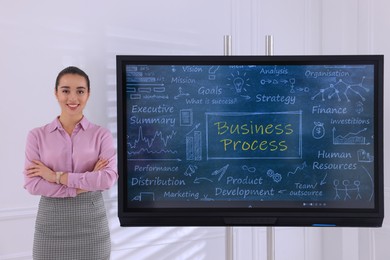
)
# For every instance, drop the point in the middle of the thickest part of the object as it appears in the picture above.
(67, 87)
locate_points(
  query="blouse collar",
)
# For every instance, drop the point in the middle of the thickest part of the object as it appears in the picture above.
(56, 124)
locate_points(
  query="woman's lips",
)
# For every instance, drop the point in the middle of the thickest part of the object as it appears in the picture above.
(73, 106)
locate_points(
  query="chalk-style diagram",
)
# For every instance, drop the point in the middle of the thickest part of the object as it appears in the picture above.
(342, 89)
(359, 107)
(298, 168)
(247, 168)
(318, 131)
(277, 177)
(186, 117)
(212, 71)
(352, 188)
(181, 93)
(155, 144)
(345, 188)
(191, 169)
(144, 196)
(194, 144)
(221, 172)
(349, 138)
(239, 82)
(364, 156)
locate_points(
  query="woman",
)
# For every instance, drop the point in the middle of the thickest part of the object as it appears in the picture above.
(69, 162)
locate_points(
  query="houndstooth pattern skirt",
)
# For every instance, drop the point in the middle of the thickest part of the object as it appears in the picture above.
(72, 228)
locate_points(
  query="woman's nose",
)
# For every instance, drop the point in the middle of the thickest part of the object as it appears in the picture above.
(72, 96)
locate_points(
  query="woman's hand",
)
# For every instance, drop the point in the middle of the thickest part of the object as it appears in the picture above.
(41, 170)
(100, 164)
(38, 169)
(79, 191)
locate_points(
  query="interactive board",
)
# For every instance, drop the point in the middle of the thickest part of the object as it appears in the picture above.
(237, 140)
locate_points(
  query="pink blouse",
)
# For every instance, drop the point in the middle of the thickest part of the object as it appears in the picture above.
(75, 154)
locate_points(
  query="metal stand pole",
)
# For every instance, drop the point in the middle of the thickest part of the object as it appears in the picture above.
(227, 51)
(229, 243)
(269, 51)
(269, 45)
(227, 45)
(270, 243)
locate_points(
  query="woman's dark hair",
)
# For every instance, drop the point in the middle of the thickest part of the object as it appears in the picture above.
(72, 70)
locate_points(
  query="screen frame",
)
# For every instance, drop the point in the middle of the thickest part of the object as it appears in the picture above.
(240, 216)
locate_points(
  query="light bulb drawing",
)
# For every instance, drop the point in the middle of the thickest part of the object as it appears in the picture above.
(239, 82)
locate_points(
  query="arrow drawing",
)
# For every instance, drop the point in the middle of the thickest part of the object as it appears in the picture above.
(221, 172)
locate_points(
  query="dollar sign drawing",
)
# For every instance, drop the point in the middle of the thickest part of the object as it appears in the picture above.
(318, 130)
(359, 107)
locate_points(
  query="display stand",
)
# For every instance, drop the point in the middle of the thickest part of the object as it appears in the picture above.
(269, 51)
(270, 243)
(227, 51)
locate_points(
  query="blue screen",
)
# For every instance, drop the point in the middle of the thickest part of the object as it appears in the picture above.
(250, 135)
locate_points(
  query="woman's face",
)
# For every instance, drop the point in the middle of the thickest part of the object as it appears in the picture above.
(72, 94)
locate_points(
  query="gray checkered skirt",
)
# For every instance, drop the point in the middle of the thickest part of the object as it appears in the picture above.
(72, 228)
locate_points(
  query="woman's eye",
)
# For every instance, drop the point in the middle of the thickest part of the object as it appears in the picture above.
(65, 91)
(80, 92)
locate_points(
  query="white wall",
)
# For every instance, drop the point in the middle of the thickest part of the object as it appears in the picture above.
(361, 27)
(39, 38)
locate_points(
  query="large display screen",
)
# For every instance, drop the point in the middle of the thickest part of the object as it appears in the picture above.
(238, 140)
